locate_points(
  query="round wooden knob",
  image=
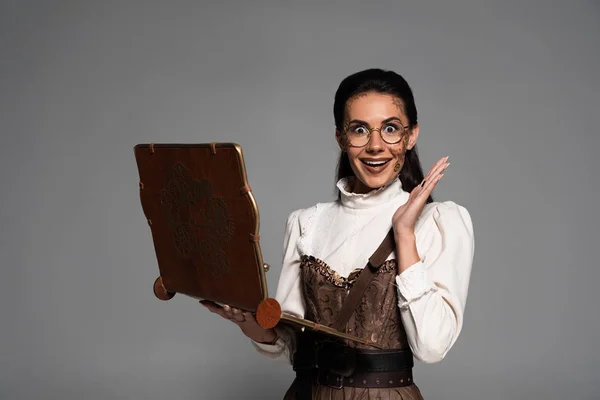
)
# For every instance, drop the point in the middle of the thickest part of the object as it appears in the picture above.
(268, 313)
(160, 291)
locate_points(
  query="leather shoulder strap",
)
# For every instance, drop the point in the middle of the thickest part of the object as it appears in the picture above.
(364, 278)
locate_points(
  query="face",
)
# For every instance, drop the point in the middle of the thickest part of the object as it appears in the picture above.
(376, 163)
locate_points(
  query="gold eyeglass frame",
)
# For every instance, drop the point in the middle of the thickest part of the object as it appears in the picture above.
(371, 130)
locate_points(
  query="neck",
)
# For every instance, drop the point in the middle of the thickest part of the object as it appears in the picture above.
(360, 188)
(361, 197)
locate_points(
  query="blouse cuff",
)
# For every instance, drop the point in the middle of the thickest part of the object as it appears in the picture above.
(274, 349)
(413, 284)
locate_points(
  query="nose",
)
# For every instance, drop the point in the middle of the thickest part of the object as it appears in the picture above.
(375, 144)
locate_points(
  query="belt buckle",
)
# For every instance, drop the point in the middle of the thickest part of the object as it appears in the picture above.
(328, 379)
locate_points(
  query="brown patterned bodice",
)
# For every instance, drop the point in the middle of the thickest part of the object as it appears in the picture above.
(377, 317)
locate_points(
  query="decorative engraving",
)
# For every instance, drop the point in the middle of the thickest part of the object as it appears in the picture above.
(218, 219)
(200, 222)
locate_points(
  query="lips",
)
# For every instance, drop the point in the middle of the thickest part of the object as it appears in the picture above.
(375, 165)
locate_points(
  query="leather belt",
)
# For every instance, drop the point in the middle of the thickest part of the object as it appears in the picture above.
(360, 379)
(345, 360)
(335, 365)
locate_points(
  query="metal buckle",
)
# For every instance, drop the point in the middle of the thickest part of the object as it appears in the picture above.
(328, 381)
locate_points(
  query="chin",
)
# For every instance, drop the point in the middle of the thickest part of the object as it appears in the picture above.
(374, 183)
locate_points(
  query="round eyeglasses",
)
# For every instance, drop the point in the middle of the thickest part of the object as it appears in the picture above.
(359, 134)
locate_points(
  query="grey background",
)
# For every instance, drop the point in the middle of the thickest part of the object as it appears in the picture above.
(509, 90)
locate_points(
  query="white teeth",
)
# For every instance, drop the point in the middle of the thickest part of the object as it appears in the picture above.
(375, 163)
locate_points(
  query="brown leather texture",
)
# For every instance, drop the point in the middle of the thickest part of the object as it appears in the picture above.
(377, 315)
(360, 286)
(204, 221)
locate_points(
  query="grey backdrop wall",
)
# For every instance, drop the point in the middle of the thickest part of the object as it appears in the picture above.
(508, 91)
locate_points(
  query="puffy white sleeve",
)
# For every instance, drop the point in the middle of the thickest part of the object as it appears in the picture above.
(432, 293)
(288, 294)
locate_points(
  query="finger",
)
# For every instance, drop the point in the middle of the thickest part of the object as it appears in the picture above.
(431, 184)
(441, 168)
(441, 165)
(210, 305)
(438, 169)
(227, 312)
(434, 173)
(215, 308)
(436, 166)
(237, 315)
(249, 317)
(426, 187)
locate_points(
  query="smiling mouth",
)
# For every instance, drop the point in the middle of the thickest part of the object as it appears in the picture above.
(375, 164)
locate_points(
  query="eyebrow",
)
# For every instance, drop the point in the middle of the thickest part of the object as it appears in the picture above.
(385, 121)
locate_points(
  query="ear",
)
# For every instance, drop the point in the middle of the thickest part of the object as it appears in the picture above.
(413, 136)
(340, 140)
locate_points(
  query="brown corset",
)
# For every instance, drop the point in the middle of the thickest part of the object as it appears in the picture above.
(377, 317)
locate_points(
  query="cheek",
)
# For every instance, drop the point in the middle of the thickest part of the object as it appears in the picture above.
(353, 153)
(399, 150)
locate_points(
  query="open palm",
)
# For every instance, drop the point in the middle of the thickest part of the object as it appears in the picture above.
(405, 217)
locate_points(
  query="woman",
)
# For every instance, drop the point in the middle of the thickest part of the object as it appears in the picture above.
(414, 304)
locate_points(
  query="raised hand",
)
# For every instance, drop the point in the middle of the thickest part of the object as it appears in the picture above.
(406, 216)
(245, 320)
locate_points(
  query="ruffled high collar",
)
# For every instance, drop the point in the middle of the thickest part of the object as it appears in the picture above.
(372, 199)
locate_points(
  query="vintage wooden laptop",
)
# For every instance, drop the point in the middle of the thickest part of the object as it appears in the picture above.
(205, 226)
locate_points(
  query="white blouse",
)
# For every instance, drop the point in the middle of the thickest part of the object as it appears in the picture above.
(432, 292)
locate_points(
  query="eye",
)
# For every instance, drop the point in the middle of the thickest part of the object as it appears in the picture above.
(359, 130)
(390, 129)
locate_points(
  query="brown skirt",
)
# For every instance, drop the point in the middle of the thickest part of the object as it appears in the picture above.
(320, 392)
